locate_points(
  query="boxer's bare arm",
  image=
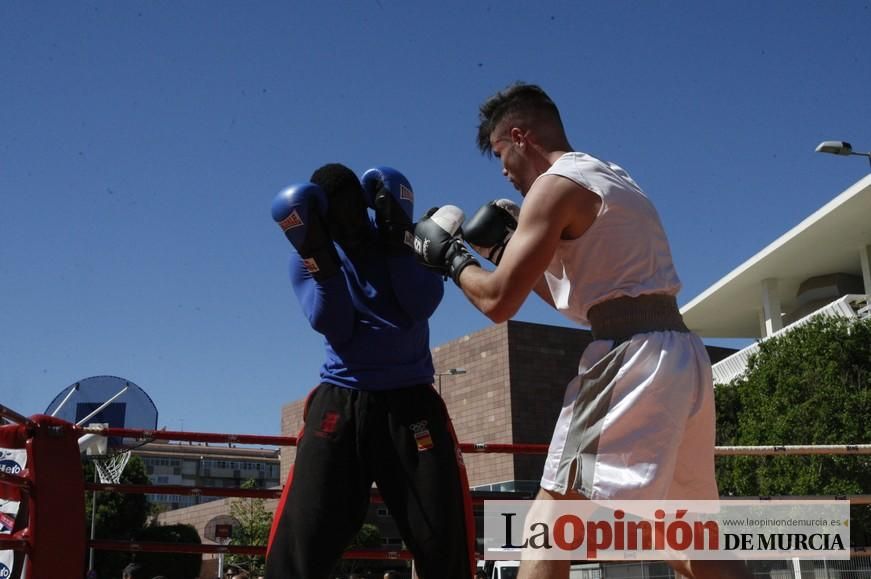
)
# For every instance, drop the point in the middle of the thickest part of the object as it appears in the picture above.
(555, 208)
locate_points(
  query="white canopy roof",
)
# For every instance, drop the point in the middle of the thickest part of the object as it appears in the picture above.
(829, 241)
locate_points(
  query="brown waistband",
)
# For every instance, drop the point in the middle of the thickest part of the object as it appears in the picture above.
(622, 318)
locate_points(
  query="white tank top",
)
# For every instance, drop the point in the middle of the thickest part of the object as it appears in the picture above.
(624, 252)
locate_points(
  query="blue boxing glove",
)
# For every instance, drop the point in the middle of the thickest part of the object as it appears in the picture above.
(390, 194)
(300, 211)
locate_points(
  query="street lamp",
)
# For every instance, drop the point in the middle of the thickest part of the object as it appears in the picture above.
(840, 148)
(449, 372)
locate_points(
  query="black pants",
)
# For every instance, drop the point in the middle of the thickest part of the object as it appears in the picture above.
(403, 441)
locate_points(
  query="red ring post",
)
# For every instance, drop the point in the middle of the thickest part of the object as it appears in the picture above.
(56, 525)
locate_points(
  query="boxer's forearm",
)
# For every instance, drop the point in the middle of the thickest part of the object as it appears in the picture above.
(491, 294)
(327, 305)
(500, 293)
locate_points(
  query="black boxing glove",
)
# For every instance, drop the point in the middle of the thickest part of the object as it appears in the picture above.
(438, 245)
(490, 229)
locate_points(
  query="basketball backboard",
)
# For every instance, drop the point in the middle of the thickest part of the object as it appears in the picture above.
(220, 529)
(108, 400)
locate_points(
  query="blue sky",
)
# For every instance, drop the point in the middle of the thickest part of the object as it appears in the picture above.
(141, 144)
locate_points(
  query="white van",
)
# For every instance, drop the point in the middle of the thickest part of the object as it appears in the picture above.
(498, 569)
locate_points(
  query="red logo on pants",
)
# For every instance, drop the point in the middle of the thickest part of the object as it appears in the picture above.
(329, 423)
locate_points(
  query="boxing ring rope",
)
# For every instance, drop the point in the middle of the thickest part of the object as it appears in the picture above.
(478, 497)
(188, 436)
(52, 441)
(13, 416)
(467, 447)
(794, 450)
(154, 547)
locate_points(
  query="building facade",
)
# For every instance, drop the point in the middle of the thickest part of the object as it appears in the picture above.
(820, 266)
(204, 465)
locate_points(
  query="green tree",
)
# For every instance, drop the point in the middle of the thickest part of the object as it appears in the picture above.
(810, 386)
(119, 516)
(255, 522)
(368, 537)
(170, 565)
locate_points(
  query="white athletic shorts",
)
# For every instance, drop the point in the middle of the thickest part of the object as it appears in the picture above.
(637, 422)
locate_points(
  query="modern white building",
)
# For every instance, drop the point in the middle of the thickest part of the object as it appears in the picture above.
(823, 264)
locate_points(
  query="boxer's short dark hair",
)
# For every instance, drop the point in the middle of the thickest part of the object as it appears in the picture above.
(519, 99)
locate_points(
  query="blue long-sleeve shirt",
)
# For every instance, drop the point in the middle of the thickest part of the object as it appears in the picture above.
(374, 317)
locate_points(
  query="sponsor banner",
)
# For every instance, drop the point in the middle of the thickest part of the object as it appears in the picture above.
(12, 461)
(7, 519)
(6, 564)
(666, 530)
(8, 508)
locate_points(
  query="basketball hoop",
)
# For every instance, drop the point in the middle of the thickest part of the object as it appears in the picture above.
(220, 530)
(108, 464)
(109, 468)
(223, 534)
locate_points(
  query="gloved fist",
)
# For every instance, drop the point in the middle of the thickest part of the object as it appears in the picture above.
(300, 211)
(438, 244)
(390, 194)
(490, 229)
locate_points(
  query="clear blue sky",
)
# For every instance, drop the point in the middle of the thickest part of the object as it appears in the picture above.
(141, 144)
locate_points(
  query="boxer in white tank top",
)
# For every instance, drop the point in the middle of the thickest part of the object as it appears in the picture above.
(623, 253)
(649, 386)
(638, 420)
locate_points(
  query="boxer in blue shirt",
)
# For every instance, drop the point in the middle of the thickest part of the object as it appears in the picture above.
(375, 416)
